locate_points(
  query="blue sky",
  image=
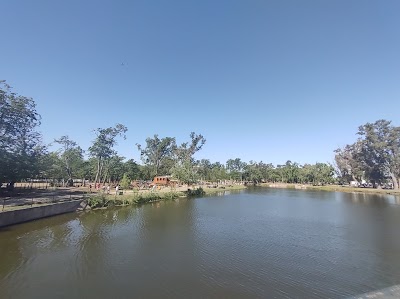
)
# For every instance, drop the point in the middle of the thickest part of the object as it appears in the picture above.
(262, 80)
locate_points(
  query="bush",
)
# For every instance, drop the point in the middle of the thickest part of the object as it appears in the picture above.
(144, 198)
(171, 195)
(196, 192)
(97, 201)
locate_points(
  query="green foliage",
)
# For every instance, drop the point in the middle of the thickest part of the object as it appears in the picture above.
(235, 167)
(102, 147)
(113, 169)
(185, 173)
(170, 195)
(125, 182)
(156, 154)
(185, 152)
(184, 169)
(20, 143)
(211, 172)
(71, 156)
(375, 156)
(132, 169)
(97, 201)
(145, 198)
(196, 192)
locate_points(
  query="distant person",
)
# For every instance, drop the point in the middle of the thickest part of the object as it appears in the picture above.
(108, 189)
(90, 188)
(116, 190)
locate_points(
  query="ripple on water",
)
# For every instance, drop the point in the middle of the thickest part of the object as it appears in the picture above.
(263, 244)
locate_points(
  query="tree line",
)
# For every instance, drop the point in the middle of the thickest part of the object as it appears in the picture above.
(374, 156)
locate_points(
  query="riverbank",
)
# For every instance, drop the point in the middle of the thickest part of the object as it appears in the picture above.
(331, 188)
(44, 206)
(135, 197)
(16, 216)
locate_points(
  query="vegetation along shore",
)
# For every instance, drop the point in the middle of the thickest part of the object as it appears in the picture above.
(371, 162)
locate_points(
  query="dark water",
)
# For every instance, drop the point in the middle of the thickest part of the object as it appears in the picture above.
(257, 243)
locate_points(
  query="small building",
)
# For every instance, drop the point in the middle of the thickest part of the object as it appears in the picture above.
(165, 180)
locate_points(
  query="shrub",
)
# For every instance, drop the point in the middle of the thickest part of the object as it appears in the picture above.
(144, 198)
(195, 192)
(171, 195)
(97, 201)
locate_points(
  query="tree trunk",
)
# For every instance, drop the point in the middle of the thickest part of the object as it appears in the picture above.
(98, 171)
(394, 181)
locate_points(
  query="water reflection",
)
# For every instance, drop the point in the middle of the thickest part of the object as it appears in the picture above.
(257, 243)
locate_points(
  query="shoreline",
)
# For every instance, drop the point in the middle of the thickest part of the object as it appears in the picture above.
(332, 188)
(100, 200)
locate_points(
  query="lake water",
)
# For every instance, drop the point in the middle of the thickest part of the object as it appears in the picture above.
(257, 243)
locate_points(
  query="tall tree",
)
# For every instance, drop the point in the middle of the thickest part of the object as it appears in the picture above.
(348, 167)
(380, 151)
(186, 150)
(184, 169)
(253, 172)
(51, 166)
(103, 146)
(20, 143)
(235, 168)
(71, 155)
(157, 153)
(114, 169)
(132, 169)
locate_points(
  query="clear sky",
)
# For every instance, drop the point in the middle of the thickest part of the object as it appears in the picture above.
(262, 80)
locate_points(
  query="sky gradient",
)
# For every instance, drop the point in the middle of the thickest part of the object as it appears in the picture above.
(261, 80)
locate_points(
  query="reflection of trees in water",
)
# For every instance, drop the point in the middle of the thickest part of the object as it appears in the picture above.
(372, 222)
(11, 256)
(21, 243)
(166, 249)
(371, 199)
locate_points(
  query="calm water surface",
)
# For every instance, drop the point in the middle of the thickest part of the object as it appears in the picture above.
(256, 243)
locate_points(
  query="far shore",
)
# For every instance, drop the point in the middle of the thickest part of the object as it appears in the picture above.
(163, 193)
(332, 188)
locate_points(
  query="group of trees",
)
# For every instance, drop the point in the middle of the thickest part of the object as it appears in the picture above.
(20, 143)
(257, 172)
(374, 157)
(164, 156)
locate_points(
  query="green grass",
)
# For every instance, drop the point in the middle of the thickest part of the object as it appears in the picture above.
(224, 188)
(338, 188)
(334, 188)
(103, 200)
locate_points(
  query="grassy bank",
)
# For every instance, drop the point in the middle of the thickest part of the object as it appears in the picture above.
(332, 188)
(224, 188)
(338, 188)
(101, 200)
